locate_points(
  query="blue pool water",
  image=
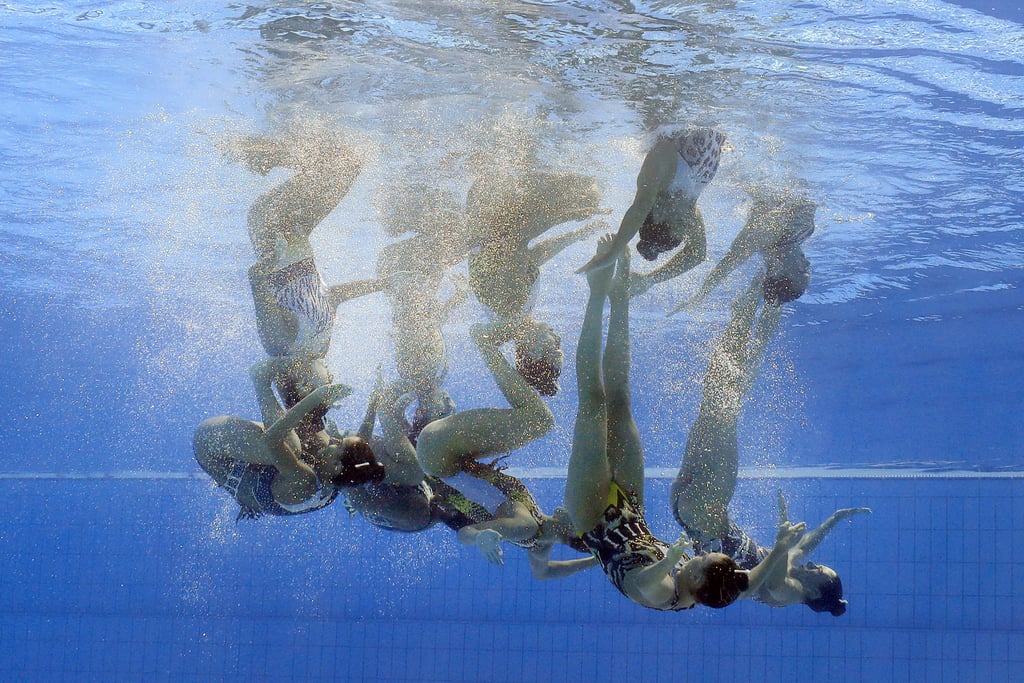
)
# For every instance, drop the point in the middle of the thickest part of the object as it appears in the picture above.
(126, 319)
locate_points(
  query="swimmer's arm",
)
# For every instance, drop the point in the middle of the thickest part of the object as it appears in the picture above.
(324, 396)
(544, 568)
(741, 249)
(649, 578)
(544, 251)
(518, 526)
(365, 430)
(689, 256)
(339, 294)
(775, 567)
(811, 539)
(401, 465)
(262, 375)
(656, 173)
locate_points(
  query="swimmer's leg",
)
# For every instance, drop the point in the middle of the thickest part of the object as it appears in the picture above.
(707, 477)
(484, 432)
(291, 210)
(590, 475)
(625, 452)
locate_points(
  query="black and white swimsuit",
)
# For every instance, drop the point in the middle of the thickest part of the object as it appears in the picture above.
(300, 290)
(622, 543)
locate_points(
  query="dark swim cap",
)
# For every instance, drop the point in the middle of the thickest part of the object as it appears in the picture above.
(656, 238)
(723, 583)
(539, 373)
(358, 465)
(830, 598)
(779, 289)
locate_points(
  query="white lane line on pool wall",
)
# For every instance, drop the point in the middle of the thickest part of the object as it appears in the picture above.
(559, 473)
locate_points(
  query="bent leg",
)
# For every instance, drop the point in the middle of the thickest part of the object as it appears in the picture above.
(483, 432)
(478, 433)
(298, 205)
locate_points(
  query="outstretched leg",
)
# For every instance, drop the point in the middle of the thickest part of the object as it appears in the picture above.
(590, 474)
(625, 452)
(706, 480)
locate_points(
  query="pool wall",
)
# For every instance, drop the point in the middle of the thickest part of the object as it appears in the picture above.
(137, 576)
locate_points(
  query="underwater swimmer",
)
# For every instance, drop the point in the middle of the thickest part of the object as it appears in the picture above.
(505, 213)
(664, 211)
(295, 310)
(266, 467)
(778, 224)
(706, 481)
(415, 268)
(605, 484)
(520, 521)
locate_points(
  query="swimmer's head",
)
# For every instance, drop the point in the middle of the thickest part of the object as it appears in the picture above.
(714, 580)
(539, 356)
(788, 275)
(656, 238)
(823, 589)
(351, 461)
(659, 236)
(430, 407)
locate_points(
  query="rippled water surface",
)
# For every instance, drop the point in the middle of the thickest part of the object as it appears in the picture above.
(902, 120)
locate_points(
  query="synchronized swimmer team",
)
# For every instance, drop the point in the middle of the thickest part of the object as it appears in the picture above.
(296, 461)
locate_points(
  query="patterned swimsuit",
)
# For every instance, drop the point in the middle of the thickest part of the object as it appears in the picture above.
(622, 542)
(300, 290)
(698, 153)
(249, 484)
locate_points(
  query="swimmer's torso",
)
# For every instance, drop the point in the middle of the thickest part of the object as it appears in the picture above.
(392, 506)
(504, 280)
(299, 289)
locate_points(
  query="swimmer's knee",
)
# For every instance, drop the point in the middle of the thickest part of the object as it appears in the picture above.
(542, 420)
(592, 400)
(433, 453)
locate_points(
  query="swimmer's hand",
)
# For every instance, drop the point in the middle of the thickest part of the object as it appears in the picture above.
(489, 543)
(846, 513)
(601, 259)
(683, 544)
(789, 535)
(332, 394)
(783, 507)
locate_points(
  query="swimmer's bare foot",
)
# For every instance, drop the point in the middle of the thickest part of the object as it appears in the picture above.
(260, 154)
(600, 277)
(620, 283)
